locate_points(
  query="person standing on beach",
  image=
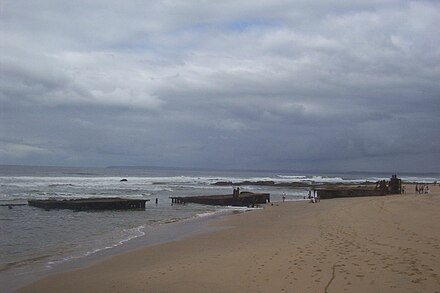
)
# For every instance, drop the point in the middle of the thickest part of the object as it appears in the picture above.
(284, 196)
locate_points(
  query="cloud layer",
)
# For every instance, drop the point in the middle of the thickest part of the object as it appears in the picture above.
(276, 85)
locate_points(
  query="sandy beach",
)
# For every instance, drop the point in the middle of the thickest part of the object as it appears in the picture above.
(369, 244)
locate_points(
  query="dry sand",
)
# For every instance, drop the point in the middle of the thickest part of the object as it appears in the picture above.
(370, 244)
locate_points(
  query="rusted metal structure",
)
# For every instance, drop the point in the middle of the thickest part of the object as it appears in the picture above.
(235, 199)
(110, 203)
(395, 185)
(346, 192)
(383, 187)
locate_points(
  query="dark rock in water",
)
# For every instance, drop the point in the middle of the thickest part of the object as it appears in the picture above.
(123, 180)
(223, 183)
(230, 183)
(262, 183)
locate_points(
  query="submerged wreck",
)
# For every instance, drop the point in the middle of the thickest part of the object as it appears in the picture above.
(236, 199)
(109, 203)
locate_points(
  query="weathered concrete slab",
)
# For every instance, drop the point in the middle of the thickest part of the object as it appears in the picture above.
(90, 204)
(242, 199)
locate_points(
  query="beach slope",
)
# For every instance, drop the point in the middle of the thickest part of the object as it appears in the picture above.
(370, 244)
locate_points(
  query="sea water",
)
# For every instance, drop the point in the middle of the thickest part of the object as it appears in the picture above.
(33, 240)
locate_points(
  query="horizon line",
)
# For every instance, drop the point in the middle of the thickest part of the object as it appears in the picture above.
(284, 170)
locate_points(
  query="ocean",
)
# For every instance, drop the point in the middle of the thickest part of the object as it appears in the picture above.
(35, 242)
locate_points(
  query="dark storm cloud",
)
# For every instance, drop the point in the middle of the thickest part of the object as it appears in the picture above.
(282, 84)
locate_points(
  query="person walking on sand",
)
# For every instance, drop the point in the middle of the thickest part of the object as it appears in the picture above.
(284, 196)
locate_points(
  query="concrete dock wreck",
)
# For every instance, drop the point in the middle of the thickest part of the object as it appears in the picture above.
(109, 203)
(236, 199)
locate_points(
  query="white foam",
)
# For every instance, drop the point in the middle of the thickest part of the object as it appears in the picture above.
(206, 214)
(225, 210)
(133, 233)
(290, 177)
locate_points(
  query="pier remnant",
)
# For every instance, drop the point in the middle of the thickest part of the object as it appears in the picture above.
(382, 187)
(346, 192)
(109, 203)
(236, 199)
(12, 204)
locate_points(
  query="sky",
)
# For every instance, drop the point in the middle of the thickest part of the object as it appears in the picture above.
(299, 85)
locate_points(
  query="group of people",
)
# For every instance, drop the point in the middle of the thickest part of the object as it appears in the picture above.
(315, 197)
(422, 188)
(236, 192)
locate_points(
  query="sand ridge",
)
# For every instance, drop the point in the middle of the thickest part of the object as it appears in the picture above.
(371, 244)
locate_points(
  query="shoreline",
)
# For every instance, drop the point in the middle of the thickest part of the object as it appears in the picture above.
(154, 235)
(385, 244)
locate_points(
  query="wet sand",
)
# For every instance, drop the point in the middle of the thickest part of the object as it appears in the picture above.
(370, 244)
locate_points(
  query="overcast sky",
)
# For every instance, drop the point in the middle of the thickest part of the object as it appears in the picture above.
(300, 85)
